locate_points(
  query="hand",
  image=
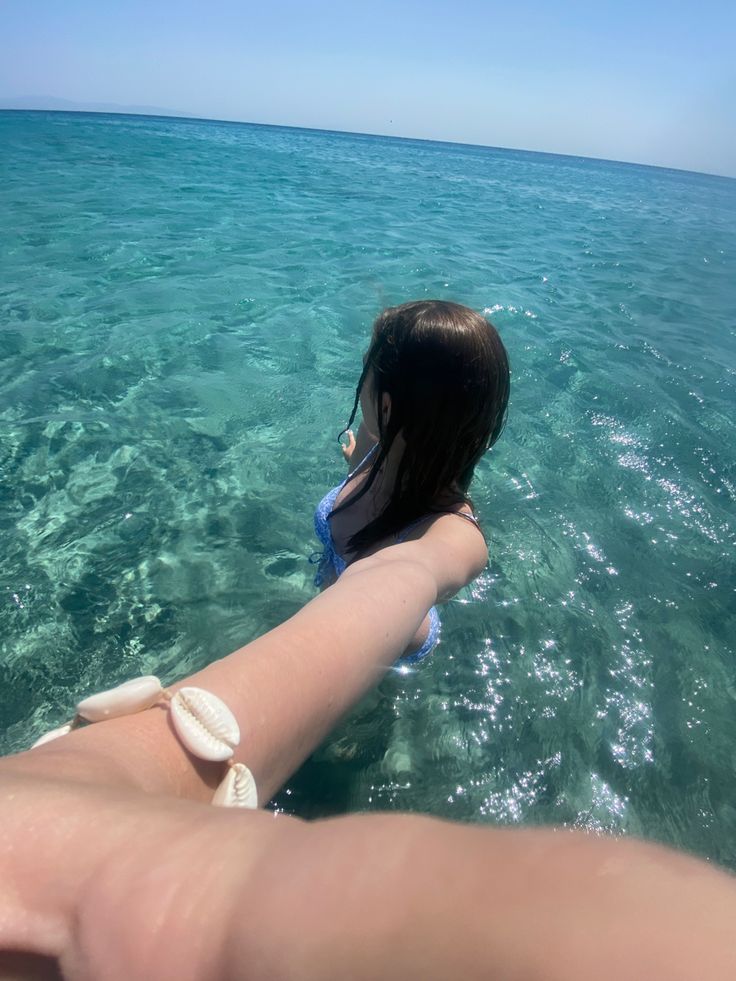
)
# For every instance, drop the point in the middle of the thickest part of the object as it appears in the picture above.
(348, 448)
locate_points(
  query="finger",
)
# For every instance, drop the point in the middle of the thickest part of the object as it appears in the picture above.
(347, 448)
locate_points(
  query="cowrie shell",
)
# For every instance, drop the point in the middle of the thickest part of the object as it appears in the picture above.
(132, 696)
(204, 724)
(238, 789)
(53, 734)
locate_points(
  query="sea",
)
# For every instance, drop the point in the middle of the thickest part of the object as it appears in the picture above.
(183, 309)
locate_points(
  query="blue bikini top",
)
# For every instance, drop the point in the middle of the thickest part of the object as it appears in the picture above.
(329, 556)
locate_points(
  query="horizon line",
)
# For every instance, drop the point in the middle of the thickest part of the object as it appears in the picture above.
(173, 114)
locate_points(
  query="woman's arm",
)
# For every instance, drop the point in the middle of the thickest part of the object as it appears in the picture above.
(287, 689)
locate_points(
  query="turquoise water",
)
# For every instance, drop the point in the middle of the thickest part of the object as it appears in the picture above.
(183, 308)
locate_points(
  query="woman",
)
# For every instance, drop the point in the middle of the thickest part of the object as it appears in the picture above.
(433, 393)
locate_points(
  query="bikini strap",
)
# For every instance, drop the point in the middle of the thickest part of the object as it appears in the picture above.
(434, 514)
(368, 455)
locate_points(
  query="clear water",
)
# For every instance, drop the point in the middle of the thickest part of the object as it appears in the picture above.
(183, 306)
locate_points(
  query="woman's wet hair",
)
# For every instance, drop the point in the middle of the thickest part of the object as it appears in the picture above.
(447, 373)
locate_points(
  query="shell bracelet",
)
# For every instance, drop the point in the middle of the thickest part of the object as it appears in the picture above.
(203, 723)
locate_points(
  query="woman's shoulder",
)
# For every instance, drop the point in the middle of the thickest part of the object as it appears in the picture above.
(456, 529)
(451, 543)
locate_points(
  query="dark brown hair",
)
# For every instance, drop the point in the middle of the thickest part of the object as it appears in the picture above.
(447, 373)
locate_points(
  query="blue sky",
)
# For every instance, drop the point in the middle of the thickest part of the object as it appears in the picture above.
(652, 81)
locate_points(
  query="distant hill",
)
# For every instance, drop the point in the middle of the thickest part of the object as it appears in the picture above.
(68, 105)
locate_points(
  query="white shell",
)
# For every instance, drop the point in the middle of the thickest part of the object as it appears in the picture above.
(204, 724)
(238, 789)
(53, 734)
(132, 696)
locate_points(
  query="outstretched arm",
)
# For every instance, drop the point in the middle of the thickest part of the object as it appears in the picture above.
(287, 689)
(105, 873)
(130, 887)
